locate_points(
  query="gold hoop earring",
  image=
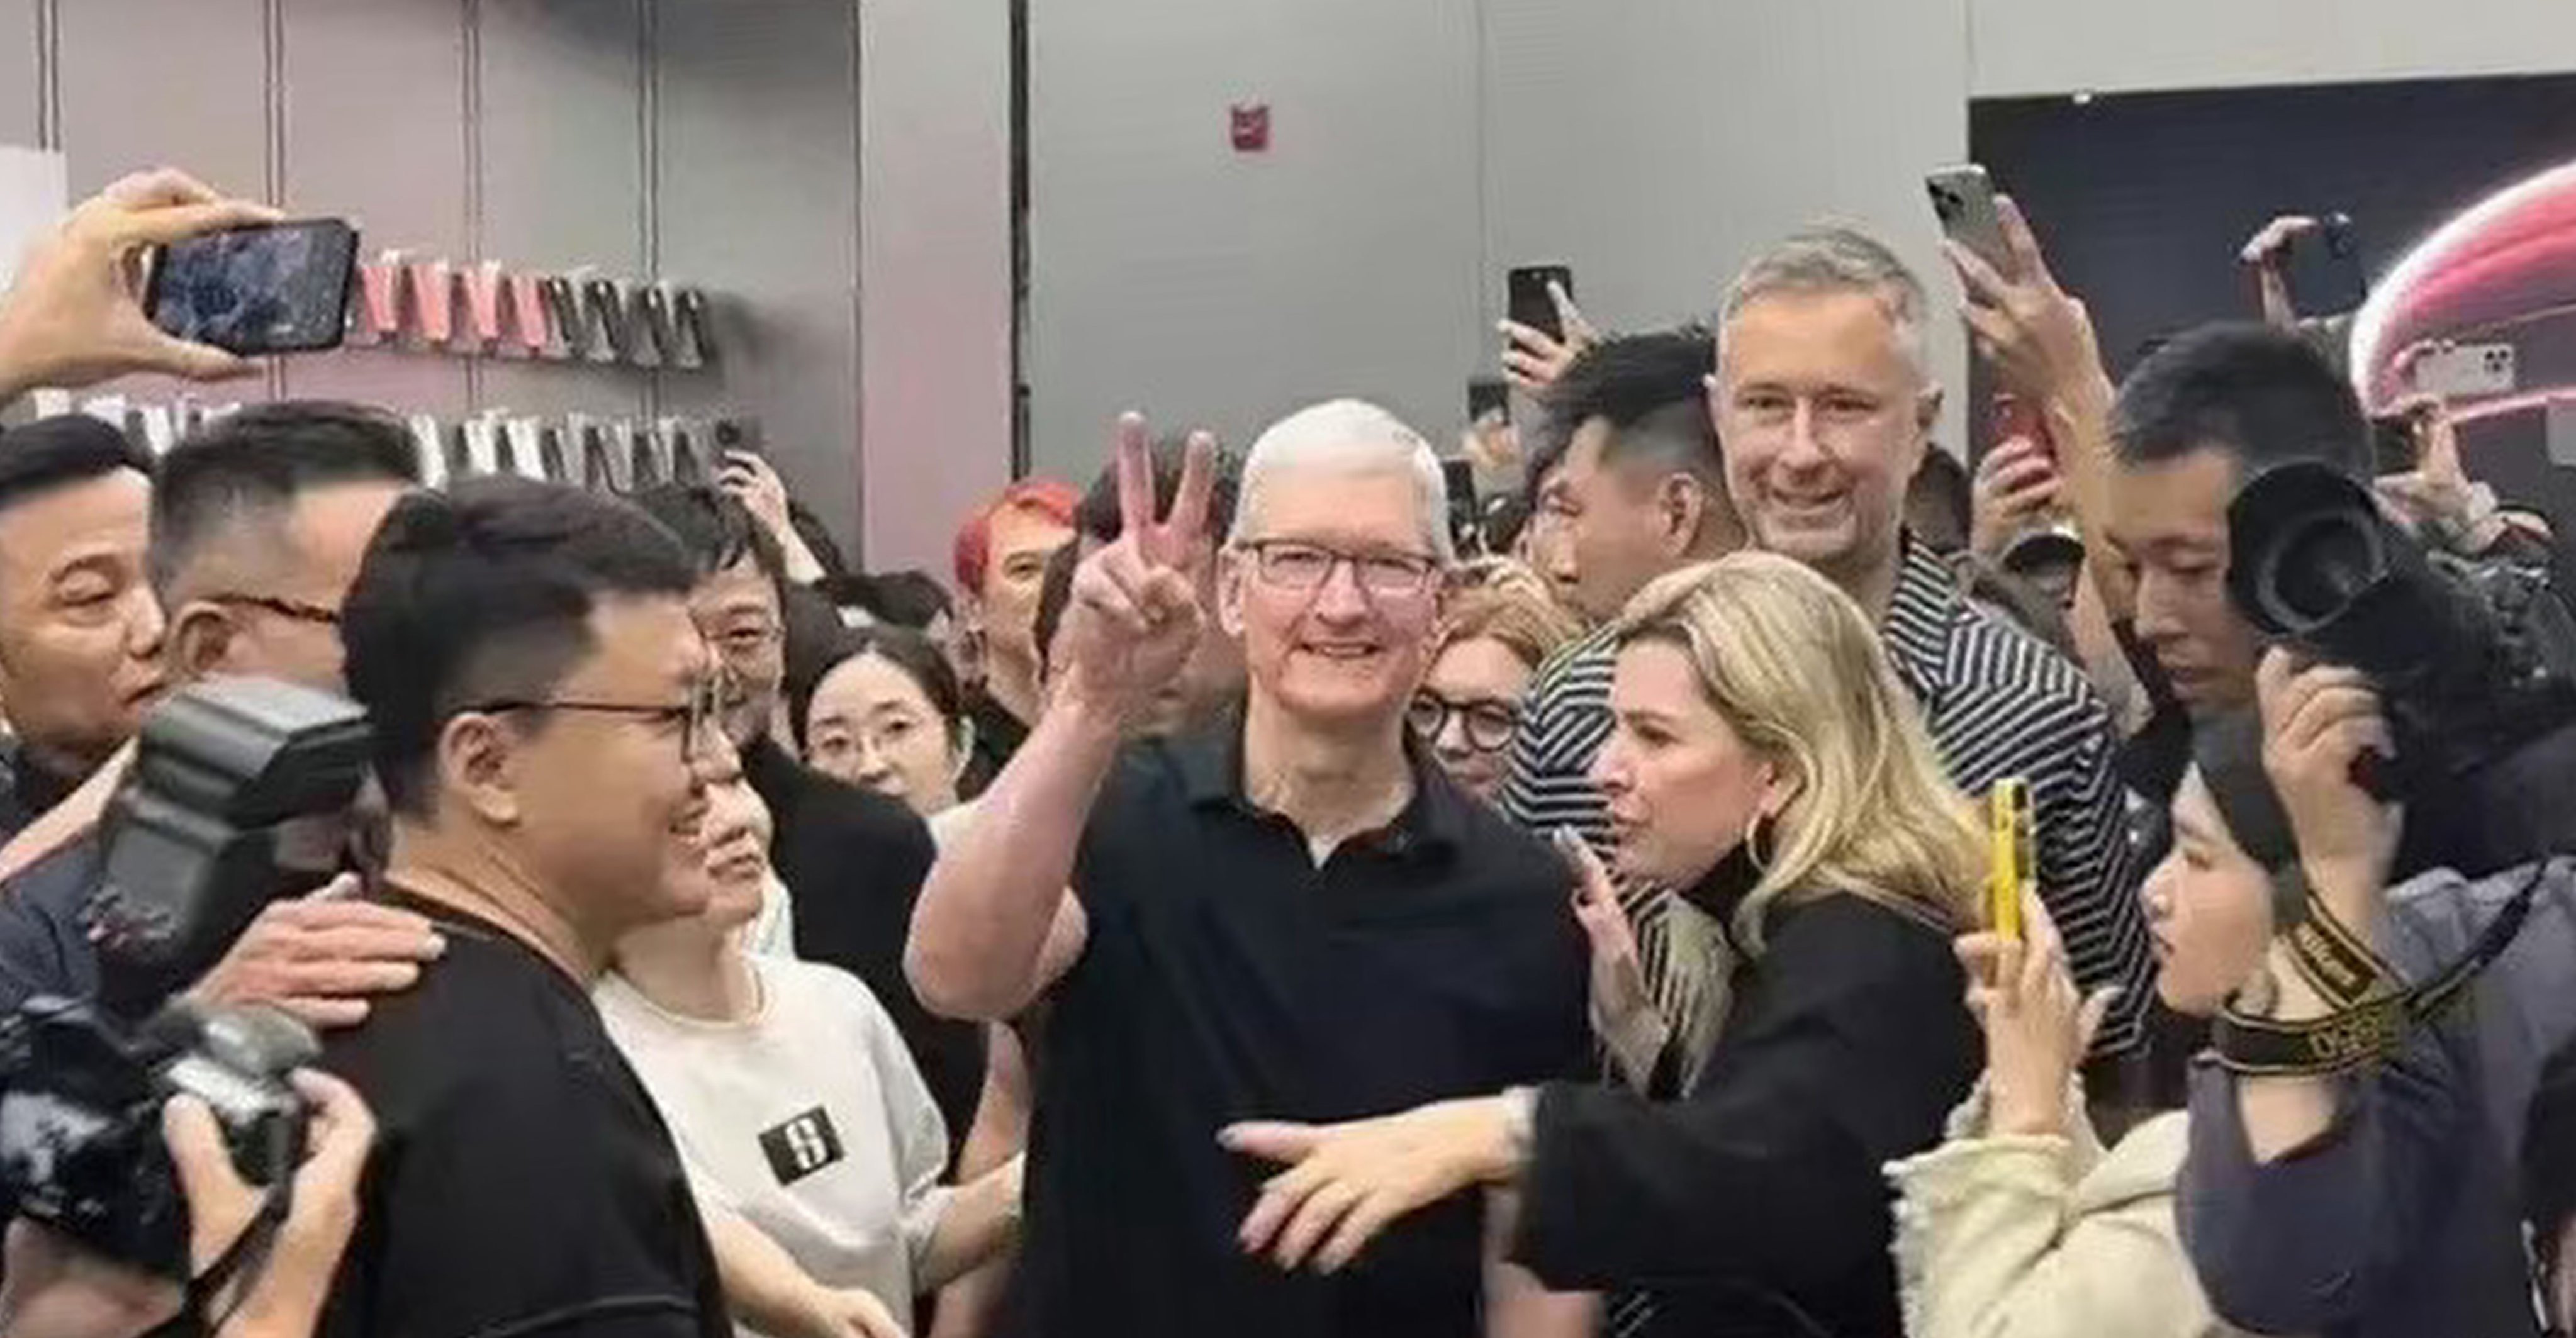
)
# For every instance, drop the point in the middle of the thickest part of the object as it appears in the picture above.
(1753, 829)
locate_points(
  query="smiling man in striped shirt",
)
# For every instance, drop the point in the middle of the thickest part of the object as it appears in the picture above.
(1825, 403)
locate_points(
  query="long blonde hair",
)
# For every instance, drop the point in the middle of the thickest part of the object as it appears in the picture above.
(1797, 671)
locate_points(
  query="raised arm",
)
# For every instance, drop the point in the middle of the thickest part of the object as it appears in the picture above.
(980, 934)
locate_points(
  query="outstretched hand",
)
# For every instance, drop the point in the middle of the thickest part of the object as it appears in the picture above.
(1135, 615)
(1347, 1183)
(75, 315)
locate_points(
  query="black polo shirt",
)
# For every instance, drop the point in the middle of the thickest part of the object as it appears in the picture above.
(522, 1183)
(1228, 977)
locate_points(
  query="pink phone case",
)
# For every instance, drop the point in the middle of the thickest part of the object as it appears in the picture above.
(433, 293)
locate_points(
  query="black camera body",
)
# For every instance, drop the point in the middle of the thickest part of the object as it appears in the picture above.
(81, 1148)
(222, 772)
(228, 775)
(2475, 662)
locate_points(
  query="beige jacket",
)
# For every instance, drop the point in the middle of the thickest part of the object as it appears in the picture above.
(2043, 1237)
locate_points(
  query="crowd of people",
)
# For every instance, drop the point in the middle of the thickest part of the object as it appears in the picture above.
(1253, 900)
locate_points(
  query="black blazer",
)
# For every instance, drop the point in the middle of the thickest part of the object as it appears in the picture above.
(1755, 1204)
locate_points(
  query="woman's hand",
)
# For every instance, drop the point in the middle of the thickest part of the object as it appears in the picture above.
(1346, 1183)
(1623, 1009)
(2318, 720)
(2038, 1028)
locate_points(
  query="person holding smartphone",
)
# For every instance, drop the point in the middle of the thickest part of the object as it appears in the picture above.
(2023, 1212)
(1767, 760)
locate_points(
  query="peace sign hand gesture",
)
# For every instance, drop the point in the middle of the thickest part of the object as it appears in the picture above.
(1135, 615)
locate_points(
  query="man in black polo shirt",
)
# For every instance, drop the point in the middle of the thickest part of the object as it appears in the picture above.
(1289, 908)
(543, 714)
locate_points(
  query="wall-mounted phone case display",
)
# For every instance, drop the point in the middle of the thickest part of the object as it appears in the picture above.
(428, 305)
(602, 454)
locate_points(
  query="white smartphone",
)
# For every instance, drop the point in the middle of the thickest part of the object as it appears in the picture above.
(1963, 197)
(2468, 371)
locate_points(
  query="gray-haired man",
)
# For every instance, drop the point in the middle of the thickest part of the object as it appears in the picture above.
(1825, 402)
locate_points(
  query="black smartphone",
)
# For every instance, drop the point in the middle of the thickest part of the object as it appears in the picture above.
(1488, 396)
(2325, 272)
(1531, 305)
(2393, 446)
(1464, 529)
(268, 288)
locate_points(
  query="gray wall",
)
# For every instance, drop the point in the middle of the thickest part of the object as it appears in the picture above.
(1425, 146)
(712, 141)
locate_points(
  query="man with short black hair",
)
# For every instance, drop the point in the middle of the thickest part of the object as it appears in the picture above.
(2197, 420)
(80, 633)
(1631, 485)
(258, 524)
(544, 717)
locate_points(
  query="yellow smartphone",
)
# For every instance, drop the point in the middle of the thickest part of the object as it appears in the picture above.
(2012, 858)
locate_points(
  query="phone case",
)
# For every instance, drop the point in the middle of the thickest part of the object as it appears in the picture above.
(531, 331)
(382, 286)
(695, 345)
(429, 447)
(603, 301)
(433, 294)
(483, 304)
(563, 310)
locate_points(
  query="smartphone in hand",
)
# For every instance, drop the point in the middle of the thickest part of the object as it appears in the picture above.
(267, 288)
(1963, 198)
(2012, 859)
(1488, 396)
(1531, 305)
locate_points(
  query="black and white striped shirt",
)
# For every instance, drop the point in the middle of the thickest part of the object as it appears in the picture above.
(1997, 703)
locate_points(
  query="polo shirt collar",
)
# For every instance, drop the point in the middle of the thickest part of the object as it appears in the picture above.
(1210, 763)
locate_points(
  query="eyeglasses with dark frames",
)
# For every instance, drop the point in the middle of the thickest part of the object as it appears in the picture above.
(1489, 725)
(695, 718)
(294, 609)
(1302, 568)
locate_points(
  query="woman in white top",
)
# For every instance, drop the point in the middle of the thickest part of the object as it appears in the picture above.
(789, 1092)
(2023, 1225)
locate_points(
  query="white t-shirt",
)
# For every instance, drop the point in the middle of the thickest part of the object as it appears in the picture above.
(809, 1120)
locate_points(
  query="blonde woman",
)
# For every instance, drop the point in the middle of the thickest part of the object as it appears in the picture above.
(1766, 759)
(1497, 626)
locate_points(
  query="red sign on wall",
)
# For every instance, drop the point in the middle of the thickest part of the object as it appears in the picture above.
(1251, 123)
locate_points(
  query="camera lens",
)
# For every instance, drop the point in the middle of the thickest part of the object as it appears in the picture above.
(2319, 566)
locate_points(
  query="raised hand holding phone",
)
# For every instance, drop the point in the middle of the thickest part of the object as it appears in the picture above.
(1135, 614)
(75, 315)
(2038, 1026)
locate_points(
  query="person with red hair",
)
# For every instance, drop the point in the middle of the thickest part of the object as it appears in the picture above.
(1001, 557)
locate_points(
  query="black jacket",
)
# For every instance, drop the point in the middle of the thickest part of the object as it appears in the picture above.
(1755, 1204)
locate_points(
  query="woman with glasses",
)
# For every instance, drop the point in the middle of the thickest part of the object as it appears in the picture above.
(882, 709)
(1499, 626)
(1766, 761)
